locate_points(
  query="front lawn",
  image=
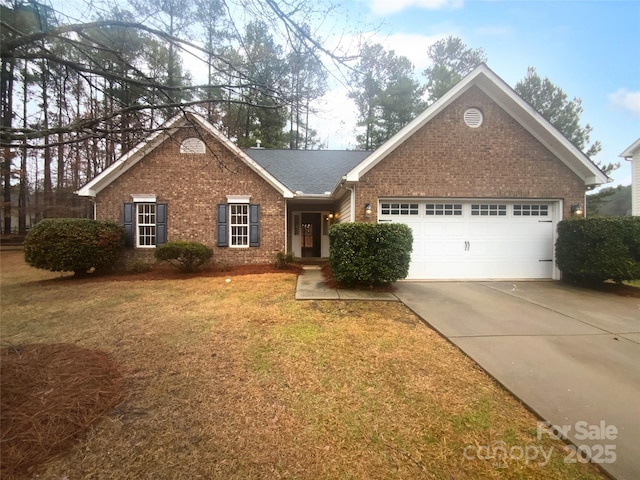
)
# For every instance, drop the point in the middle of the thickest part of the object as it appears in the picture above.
(237, 380)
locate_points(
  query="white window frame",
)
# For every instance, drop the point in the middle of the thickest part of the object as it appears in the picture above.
(488, 210)
(443, 209)
(147, 228)
(399, 208)
(530, 210)
(239, 225)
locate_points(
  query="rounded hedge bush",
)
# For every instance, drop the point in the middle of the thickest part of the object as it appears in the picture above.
(186, 256)
(73, 244)
(594, 250)
(370, 253)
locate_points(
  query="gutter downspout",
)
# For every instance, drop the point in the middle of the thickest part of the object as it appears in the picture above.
(352, 209)
(286, 226)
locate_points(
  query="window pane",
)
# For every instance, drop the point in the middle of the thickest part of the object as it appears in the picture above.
(531, 210)
(239, 220)
(488, 209)
(399, 209)
(447, 209)
(146, 215)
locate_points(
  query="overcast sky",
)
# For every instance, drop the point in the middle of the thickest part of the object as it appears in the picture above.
(590, 49)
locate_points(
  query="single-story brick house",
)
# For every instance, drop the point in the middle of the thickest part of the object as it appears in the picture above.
(632, 153)
(480, 177)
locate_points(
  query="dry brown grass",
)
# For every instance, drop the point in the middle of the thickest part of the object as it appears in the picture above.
(237, 380)
(51, 394)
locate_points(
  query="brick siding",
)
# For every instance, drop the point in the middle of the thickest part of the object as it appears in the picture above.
(193, 185)
(446, 158)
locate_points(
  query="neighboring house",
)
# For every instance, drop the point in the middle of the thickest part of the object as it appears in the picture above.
(481, 178)
(633, 154)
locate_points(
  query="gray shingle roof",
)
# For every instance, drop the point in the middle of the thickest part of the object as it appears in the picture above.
(308, 171)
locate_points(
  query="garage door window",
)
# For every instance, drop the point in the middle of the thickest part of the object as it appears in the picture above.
(488, 210)
(531, 210)
(399, 209)
(444, 209)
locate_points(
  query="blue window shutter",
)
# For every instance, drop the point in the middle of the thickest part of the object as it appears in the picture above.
(254, 225)
(129, 216)
(161, 223)
(223, 225)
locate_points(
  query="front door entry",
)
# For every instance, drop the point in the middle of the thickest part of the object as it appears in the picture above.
(311, 235)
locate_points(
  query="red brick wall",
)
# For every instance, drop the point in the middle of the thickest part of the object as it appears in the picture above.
(446, 158)
(192, 186)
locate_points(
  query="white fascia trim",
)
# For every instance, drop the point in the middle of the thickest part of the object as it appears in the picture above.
(492, 85)
(286, 193)
(124, 163)
(110, 174)
(630, 151)
(400, 137)
(542, 130)
(314, 196)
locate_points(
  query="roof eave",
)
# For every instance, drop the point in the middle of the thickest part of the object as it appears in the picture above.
(632, 150)
(508, 99)
(255, 166)
(542, 130)
(110, 174)
(404, 133)
(313, 196)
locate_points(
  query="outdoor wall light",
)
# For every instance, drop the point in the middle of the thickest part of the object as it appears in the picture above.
(367, 210)
(576, 210)
(330, 215)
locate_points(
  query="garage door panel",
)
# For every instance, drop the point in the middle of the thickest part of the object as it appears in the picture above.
(448, 247)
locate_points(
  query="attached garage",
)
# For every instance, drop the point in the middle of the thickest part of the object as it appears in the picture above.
(477, 239)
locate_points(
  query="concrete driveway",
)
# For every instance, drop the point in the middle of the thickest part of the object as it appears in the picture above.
(571, 355)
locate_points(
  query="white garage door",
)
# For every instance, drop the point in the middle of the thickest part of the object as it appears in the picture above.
(476, 240)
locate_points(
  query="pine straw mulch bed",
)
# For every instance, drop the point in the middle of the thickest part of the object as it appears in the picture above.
(51, 394)
(165, 271)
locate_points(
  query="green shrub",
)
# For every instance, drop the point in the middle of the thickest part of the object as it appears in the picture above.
(283, 260)
(186, 256)
(73, 245)
(137, 266)
(370, 253)
(597, 249)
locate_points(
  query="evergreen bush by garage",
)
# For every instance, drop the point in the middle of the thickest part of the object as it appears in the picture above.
(186, 256)
(73, 244)
(370, 253)
(594, 250)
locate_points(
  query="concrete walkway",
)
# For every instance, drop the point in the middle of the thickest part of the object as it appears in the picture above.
(311, 286)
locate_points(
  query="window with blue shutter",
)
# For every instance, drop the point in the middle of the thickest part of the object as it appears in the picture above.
(145, 224)
(254, 225)
(223, 225)
(161, 223)
(238, 225)
(128, 217)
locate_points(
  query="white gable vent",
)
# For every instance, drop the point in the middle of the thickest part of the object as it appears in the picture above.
(473, 117)
(193, 145)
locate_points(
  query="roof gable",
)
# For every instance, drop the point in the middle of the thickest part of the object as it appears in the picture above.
(631, 150)
(505, 97)
(144, 148)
